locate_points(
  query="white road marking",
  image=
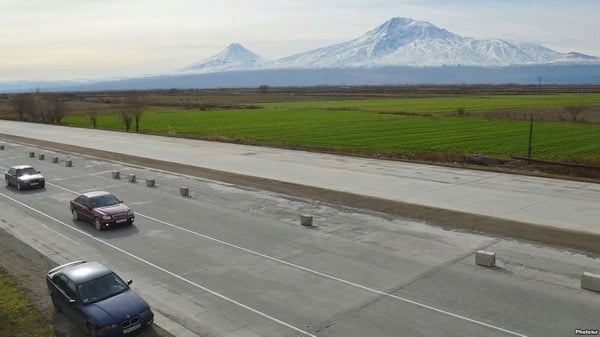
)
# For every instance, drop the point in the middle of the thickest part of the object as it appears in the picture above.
(306, 333)
(331, 277)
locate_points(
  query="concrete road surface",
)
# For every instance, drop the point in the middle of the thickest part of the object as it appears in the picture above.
(231, 261)
(570, 205)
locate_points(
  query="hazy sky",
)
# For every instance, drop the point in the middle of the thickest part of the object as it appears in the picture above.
(77, 39)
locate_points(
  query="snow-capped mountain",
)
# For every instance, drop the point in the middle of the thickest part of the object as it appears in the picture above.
(234, 57)
(399, 42)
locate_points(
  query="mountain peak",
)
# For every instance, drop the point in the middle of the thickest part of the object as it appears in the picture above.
(233, 57)
(409, 29)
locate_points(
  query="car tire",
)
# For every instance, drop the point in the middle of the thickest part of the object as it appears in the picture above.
(92, 330)
(97, 224)
(57, 307)
(42, 184)
(75, 215)
(19, 186)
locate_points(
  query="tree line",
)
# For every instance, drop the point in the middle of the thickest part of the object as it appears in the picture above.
(51, 108)
(40, 107)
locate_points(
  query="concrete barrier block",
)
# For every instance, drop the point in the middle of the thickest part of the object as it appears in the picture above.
(31, 154)
(41, 156)
(150, 182)
(306, 220)
(485, 258)
(184, 191)
(590, 281)
(69, 163)
(54, 160)
(116, 175)
(131, 178)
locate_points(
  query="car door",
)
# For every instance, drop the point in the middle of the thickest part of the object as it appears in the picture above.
(82, 203)
(10, 176)
(64, 296)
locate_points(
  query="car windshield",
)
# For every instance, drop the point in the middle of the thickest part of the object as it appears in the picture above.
(104, 200)
(101, 288)
(26, 171)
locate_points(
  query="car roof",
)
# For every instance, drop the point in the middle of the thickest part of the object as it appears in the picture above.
(86, 271)
(20, 167)
(96, 194)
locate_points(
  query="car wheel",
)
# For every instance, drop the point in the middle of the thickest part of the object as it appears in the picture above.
(97, 224)
(56, 306)
(19, 186)
(92, 330)
(42, 185)
(75, 215)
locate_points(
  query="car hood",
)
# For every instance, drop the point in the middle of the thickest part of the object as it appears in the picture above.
(112, 209)
(27, 177)
(115, 309)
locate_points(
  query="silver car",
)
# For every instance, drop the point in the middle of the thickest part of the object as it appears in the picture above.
(24, 176)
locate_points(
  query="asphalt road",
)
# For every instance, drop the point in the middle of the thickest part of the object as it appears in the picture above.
(568, 205)
(232, 261)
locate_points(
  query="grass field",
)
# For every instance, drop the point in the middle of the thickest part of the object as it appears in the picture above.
(18, 315)
(411, 128)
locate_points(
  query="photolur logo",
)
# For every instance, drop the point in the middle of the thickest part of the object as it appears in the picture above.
(586, 332)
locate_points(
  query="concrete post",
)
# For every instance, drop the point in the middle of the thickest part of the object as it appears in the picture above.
(184, 191)
(306, 220)
(485, 258)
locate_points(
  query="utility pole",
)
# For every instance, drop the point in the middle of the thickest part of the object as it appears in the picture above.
(530, 136)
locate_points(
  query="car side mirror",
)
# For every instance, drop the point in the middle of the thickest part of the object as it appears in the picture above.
(129, 282)
(38, 172)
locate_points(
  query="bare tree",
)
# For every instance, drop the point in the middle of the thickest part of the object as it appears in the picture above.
(54, 108)
(264, 89)
(125, 115)
(575, 110)
(23, 105)
(135, 106)
(93, 114)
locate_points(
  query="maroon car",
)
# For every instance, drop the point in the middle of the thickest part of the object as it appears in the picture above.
(101, 208)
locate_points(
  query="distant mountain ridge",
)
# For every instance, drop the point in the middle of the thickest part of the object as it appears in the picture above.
(398, 42)
(401, 51)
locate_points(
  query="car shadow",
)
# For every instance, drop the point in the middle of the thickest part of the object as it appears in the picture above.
(63, 327)
(108, 233)
(14, 190)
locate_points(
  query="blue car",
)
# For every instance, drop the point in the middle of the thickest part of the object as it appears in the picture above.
(97, 299)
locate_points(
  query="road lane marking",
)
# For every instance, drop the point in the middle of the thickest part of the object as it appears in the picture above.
(331, 277)
(217, 294)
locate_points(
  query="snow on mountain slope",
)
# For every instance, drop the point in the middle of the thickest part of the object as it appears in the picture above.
(234, 57)
(399, 42)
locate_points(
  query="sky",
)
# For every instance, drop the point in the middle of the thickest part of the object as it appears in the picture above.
(91, 39)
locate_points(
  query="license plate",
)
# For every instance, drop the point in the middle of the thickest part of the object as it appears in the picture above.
(122, 220)
(132, 328)
(33, 184)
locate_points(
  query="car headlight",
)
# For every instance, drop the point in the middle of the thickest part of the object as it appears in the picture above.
(106, 328)
(106, 217)
(145, 313)
(130, 213)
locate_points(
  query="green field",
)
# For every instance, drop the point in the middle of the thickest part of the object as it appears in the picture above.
(18, 315)
(413, 128)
